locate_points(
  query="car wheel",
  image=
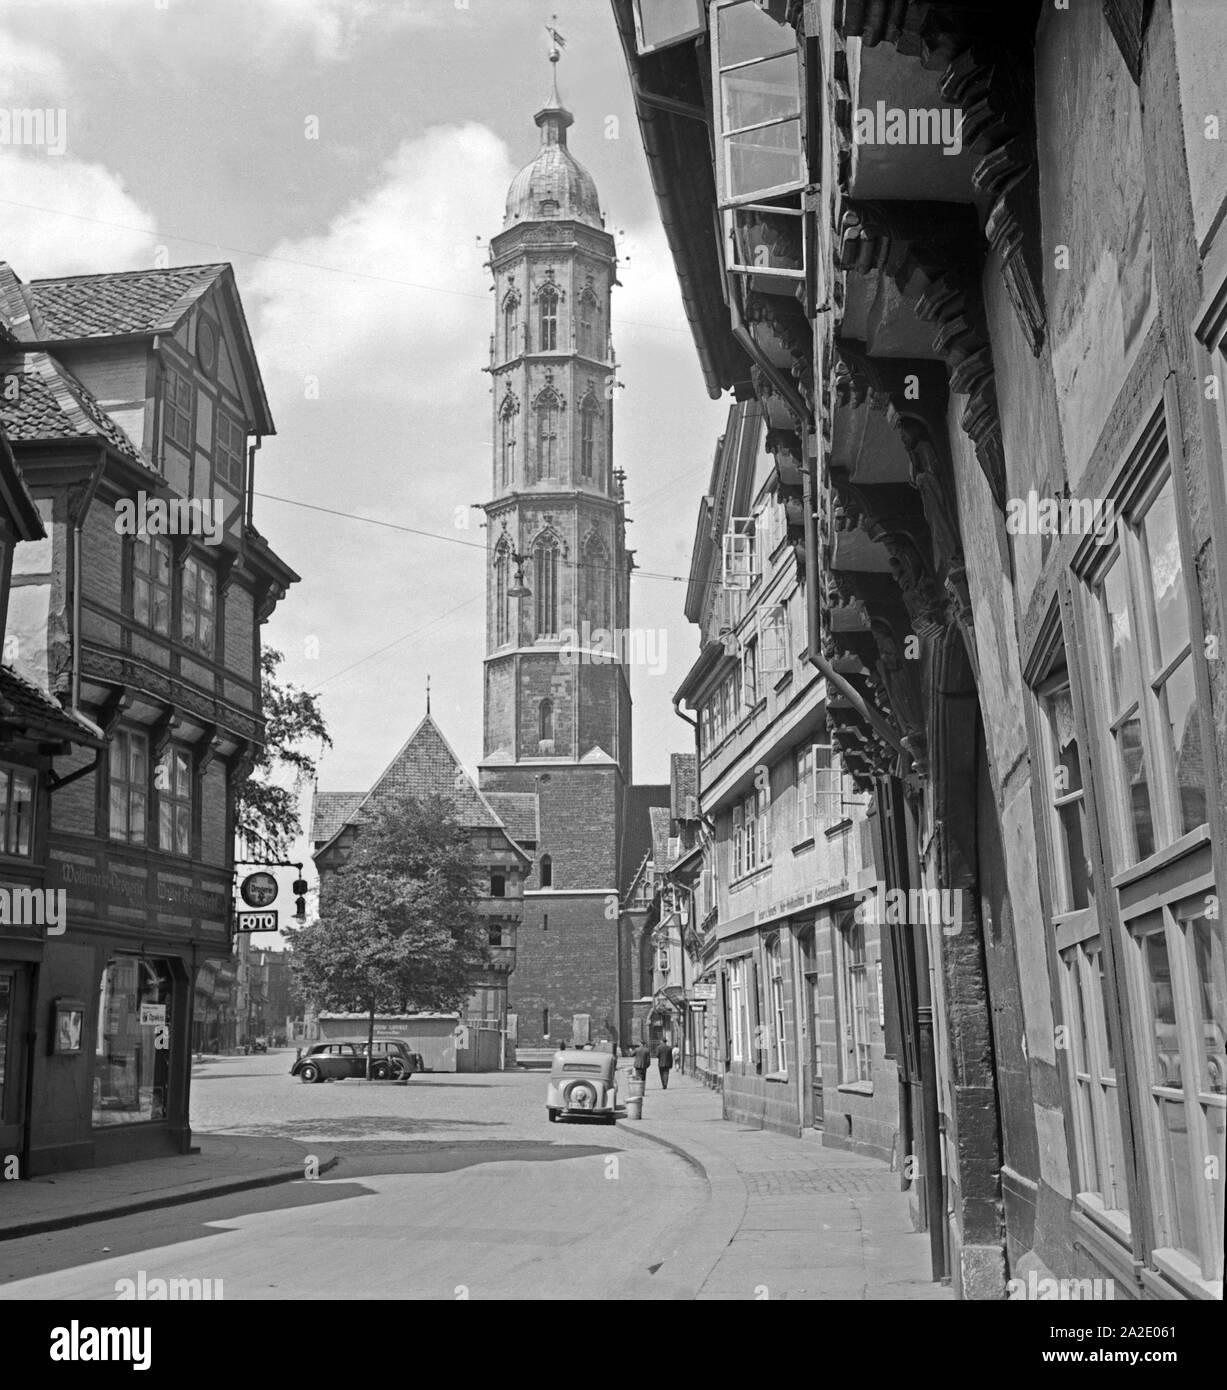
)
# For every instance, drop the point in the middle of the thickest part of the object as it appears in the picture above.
(381, 1071)
(310, 1073)
(553, 1114)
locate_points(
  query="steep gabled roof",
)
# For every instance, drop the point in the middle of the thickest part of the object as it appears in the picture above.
(50, 403)
(116, 304)
(519, 813)
(330, 812)
(425, 766)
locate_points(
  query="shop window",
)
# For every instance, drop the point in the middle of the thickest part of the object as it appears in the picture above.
(128, 775)
(198, 606)
(173, 785)
(16, 811)
(1177, 962)
(151, 581)
(132, 1066)
(1145, 652)
(852, 1001)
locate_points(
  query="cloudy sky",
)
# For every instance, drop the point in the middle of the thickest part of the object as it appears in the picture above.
(359, 258)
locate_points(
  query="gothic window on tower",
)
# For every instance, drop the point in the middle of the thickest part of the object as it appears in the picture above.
(547, 871)
(502, 604)
(548, 320)
(511, 326)
(545, 587)
(589, 323)
(588, 413)
(596, 582)
(547, 434)
(507, 441)
(545, 724)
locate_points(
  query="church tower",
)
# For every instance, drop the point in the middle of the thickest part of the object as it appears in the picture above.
(557, 698)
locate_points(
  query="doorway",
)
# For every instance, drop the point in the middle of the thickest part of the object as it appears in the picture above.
(14, 1010)
(813, 1018)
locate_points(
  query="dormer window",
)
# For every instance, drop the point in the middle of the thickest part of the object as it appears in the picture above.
(548, 207)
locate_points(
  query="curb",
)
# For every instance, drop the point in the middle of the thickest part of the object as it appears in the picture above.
(169, 1199)
(682, 1272)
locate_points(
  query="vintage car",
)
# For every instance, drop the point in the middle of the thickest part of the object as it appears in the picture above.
(339, 1058)
(583, 1083)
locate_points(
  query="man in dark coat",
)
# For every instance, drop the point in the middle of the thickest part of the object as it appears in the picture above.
(664, 1060)
(641, 1061)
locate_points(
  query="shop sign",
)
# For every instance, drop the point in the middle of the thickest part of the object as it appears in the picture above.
(152, 1014)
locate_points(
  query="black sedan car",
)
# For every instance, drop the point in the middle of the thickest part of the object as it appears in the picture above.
(339, 1058)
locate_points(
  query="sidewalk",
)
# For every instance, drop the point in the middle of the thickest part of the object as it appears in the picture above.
(789, 1218)
(225, 1163)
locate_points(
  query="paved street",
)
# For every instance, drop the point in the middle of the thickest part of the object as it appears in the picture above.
(451, 1186)
(457, 1186)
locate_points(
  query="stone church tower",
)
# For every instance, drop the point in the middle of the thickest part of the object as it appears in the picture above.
(557, 707)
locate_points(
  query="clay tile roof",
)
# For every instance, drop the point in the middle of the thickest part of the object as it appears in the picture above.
(518, 812)
(660, 835)
(331, 811)
(105, 306)
(50, 403)
(24, 705)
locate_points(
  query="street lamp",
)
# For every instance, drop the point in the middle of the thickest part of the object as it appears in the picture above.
(519, 589)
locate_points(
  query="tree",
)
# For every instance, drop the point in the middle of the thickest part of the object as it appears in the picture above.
(265, 811)
(398, 928)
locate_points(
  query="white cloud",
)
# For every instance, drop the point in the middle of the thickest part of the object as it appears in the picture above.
(63, 217)
(392, 297)
(28, 73)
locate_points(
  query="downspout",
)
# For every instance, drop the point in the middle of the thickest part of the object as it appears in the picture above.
(251, 478)
(78, 526)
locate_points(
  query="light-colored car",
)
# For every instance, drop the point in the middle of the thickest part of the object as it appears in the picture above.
(583, 1083)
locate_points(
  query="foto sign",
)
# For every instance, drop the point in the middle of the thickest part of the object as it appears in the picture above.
(256, 921)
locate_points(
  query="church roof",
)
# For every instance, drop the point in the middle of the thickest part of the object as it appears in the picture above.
(554, 185)
(425, 766)
(518, 812)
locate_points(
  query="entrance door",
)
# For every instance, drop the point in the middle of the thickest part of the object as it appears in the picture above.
(14, 990)
(813, 1015)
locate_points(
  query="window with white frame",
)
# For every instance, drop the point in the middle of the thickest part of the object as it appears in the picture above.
(805, 793)
(737, 838)
(852, 1000)
(828, 784)
(128, 785)
(1140, 617)
(1064, 794)
(661, 23)
(738, 555)
(774, 649)
(198, 606)
(1176, 963)
(231, 449)
(1101, 1178)
(173, 785)
(757, 103)
(738, 1025)
(777, 1041)
(749, 674)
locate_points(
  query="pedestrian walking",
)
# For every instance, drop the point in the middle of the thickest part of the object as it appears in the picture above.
(641, 1061)
(664, 1060)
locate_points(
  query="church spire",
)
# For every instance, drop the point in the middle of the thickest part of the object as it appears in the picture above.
(554, 118)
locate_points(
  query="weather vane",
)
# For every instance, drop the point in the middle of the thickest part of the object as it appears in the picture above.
(557, 44)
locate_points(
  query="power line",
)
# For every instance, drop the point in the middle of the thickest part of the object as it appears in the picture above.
(290, 260)
(451, 540)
